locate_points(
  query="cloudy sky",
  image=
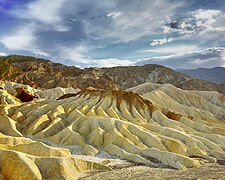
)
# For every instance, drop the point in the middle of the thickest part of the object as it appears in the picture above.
(174, 33)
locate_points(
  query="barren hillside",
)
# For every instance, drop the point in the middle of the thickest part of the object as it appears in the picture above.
(41, 73)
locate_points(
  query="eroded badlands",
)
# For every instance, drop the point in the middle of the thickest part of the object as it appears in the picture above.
(150, 125)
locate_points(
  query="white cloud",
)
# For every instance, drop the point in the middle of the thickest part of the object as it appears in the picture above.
(166, 29)
(73, 19)
(208, 20)
(3, 54)
(191, 59)
(114, 14)
(204, 22)
(222, 56)
(134, 23)
(201, 14)
(199, 61)
(171, 49)
(39, 53)
(76, 53)
(21, 39)
(111, 62)
(161, 41)
(42, 11)
(37, 16)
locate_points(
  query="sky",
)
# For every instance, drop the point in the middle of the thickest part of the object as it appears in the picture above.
(96, 33)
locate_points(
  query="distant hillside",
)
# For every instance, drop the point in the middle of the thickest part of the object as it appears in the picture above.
(41, 73)
(215, 75)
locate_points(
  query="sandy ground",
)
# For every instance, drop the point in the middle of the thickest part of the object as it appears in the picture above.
(209, 171)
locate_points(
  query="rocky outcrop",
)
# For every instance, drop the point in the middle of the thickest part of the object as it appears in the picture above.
(24, 95)
(174, 116)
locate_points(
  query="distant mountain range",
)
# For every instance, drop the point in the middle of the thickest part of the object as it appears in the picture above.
(42, 73)
(215, 75)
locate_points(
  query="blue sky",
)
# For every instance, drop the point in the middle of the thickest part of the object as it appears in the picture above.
(174, 33)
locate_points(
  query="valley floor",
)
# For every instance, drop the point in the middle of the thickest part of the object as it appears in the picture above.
(209, 171)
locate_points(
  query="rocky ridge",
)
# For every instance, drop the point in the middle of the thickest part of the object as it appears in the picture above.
(41, 73)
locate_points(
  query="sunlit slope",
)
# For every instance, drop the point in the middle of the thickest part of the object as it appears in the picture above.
(23, 158)
(201, 104)
(127, 125)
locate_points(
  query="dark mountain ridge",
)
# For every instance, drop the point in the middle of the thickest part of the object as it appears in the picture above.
(42, 73)
(215, 75)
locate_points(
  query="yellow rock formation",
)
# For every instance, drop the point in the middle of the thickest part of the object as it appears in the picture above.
(180, 129)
